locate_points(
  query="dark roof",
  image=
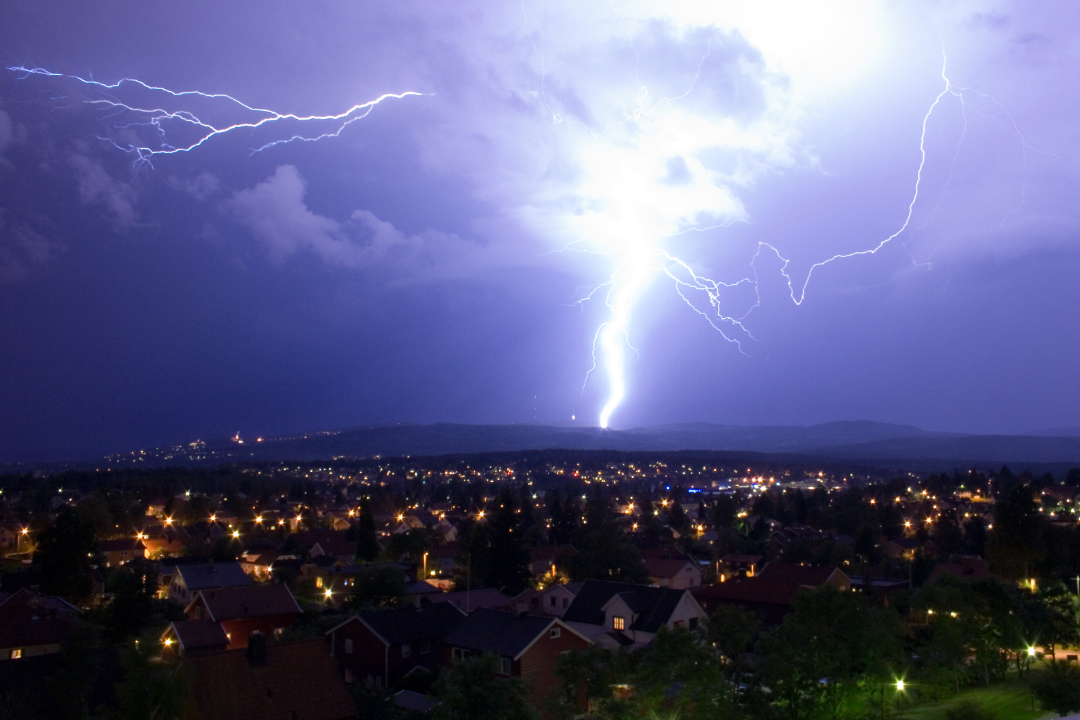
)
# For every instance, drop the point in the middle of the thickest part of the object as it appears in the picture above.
(121, 544)
(299, 680)
(652, 606)
(969, 568)
(28, 619)
(494, 631)
(252, 601)
(213, 575)
(412, 700)
(411, 624)
(197, 634)
(758, 590)
(801, 575)
(666, 568)
(469, 600)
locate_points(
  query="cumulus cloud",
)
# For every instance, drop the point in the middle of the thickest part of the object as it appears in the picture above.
(22, 248)
(97, 187)
(201, 187)
(275, 212)
(7, 131)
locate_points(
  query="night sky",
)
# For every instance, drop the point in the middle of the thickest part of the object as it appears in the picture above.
(572, 180)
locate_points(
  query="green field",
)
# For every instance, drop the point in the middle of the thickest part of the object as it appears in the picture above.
(1008, 700)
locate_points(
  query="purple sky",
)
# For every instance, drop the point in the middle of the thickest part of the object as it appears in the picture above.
(429, 261)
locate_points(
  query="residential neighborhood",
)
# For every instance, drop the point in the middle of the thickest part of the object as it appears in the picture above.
(338, 595)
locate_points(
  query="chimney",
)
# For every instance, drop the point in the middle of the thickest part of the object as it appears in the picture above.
(256, 649)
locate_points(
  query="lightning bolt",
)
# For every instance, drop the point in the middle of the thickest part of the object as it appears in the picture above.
(642, 259)
(186, 121)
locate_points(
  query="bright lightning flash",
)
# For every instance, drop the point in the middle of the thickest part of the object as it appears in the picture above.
(640, 214)
(180, 130)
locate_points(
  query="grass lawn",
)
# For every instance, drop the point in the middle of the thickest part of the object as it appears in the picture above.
(1008, 700)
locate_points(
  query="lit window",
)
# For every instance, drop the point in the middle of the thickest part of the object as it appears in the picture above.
(618, 622)
(554, 633)
(348, 646)
(16, 653)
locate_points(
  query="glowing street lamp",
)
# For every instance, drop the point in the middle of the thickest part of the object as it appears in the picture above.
(1031, 651)
(900, 686)
(236, 534)
(18, 544)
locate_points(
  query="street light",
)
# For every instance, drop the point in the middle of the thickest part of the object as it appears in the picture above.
(18, 543)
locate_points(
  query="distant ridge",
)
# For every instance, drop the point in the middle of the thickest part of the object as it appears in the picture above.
(861, 440)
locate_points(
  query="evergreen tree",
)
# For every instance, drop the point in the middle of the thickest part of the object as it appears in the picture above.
(65, 553)
(508, 554)
(367, 547)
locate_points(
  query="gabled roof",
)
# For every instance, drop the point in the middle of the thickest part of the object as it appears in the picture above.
(298, 681)
(409, 624)
(666, 568)
(757, 590)
(801, 575)
(27, 619)
(213, 575)
(469, 600)
(121, 544)
(252, 601)
(198, 634)
(652, 606)
(502, 633)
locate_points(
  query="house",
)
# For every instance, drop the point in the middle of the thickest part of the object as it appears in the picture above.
(805, 576)
(673, 571)
(469, 600)
(187, 580)
(769, 599)
(157, 507)
(525, 646)
(119, 552)
(770, 592)
(163, 546)
(193, 637)
(278, 681)
(33, 624)
(552, 600)
(545, 559)
(737, 565)
(615, 614)
(241, 611)
(795, 538)
(970, 567)
(327, 542)
(380, 647)
(260, 566)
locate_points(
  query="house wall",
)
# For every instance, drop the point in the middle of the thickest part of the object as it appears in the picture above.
(537, 665)
(240, 630)
(29, 651)
(368, 658)
(684, 611)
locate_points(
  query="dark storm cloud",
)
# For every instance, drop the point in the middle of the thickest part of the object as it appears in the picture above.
(425, 264)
